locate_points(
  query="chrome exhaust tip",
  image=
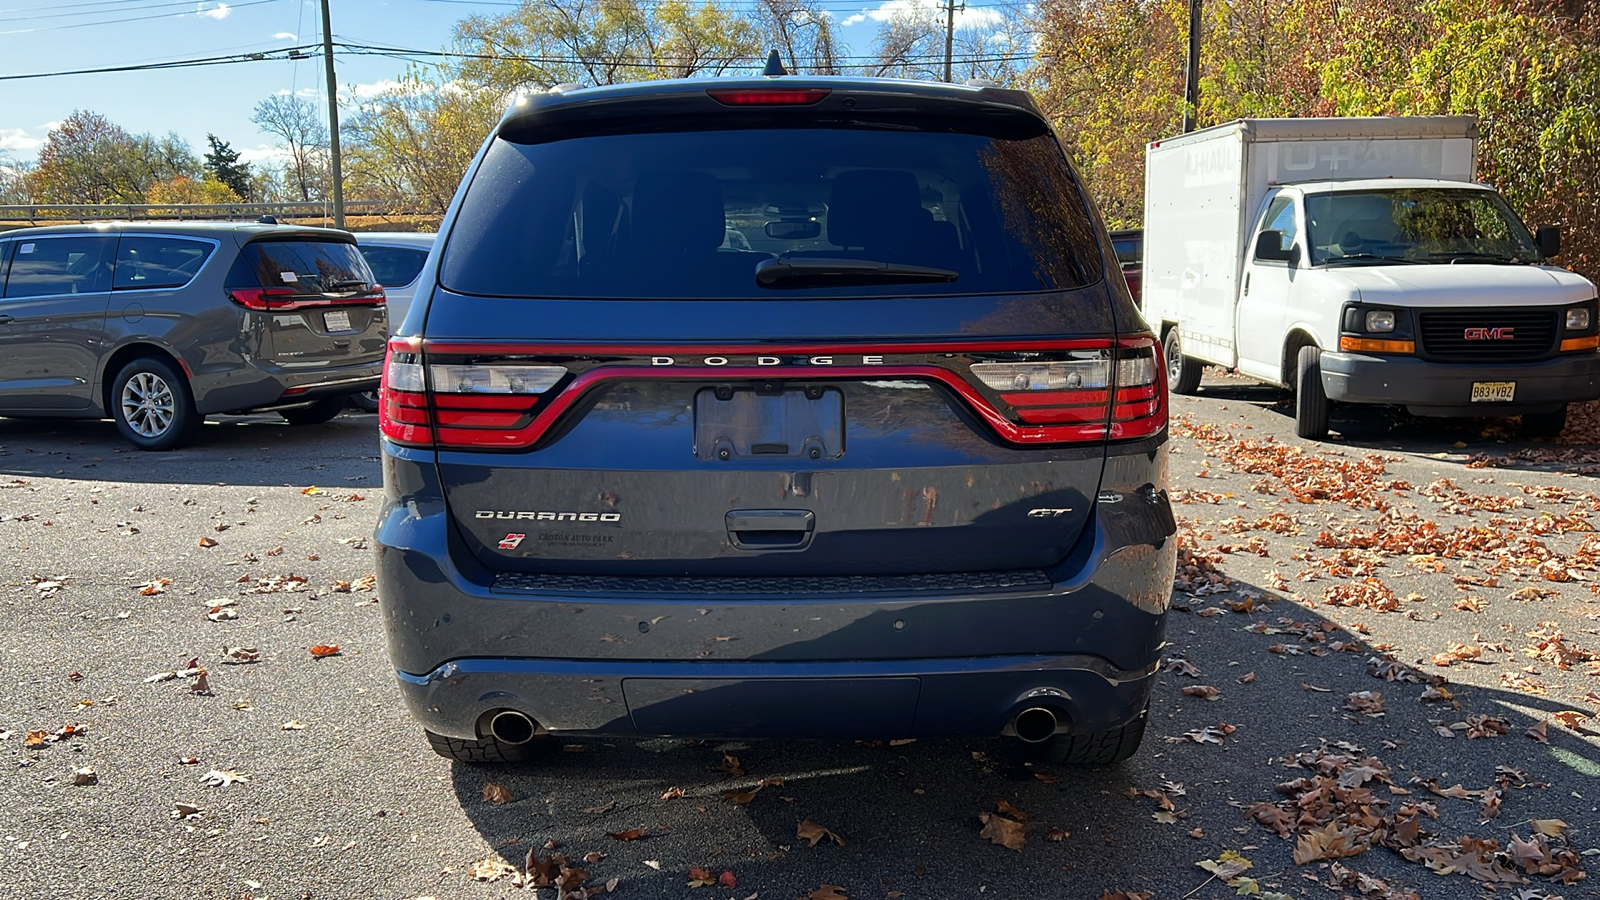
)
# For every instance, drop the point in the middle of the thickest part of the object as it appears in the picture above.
(1035, 725)
(511, 727)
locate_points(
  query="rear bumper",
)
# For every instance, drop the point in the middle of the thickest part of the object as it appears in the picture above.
(258, 387)
(1445, 389)
(882, 664)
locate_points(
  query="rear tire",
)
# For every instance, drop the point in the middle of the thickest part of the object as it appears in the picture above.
(487, 750)
(1101, 748)
(315, 414)
(153, 406)
(1183, 373)
(1545, 425)
(366, 401)
(1310, 401)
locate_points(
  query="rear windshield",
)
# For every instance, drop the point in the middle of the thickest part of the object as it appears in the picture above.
(693, 214)
(395, 266)
(308, 266)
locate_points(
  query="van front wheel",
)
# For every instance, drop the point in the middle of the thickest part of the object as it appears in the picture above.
(1310, 401)
(1183, 373)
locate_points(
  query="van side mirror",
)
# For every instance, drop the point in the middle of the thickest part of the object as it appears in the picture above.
(1548, 238)
(1269, 245)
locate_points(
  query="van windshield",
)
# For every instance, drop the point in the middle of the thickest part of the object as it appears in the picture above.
(1417, 225)
(759, 213)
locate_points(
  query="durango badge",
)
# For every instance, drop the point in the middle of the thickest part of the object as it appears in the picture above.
(511, 541)
(546, 516)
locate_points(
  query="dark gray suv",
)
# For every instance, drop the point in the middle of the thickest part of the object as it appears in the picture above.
(891, 463)
(159, 325)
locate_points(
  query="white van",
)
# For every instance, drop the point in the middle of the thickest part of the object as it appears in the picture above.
(1354, 260)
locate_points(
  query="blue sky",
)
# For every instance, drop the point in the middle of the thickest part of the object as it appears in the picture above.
(56, 35)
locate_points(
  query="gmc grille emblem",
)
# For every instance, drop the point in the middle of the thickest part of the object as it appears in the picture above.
(1489, 334)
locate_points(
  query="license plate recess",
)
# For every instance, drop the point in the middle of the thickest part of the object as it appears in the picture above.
(781, 423)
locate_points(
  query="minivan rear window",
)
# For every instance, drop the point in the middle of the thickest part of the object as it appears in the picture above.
(693, 214)
(308, 266)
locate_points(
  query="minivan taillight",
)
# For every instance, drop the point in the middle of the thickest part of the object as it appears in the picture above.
(458, 405)
(286, 299)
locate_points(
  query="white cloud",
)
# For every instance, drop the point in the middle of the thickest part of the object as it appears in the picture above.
(286, 36)
(18, 140)
(856, 19)
(971, 17)
(305, 92)
(369, 90)
(263, 154)
(220, 11)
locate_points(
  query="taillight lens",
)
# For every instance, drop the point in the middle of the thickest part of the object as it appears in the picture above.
(259, 298)
(1116, 393)
(277, 299)
(468, 406)
(769, 96)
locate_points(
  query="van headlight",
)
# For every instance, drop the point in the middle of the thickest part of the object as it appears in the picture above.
(1381, 320)
(1577, 319)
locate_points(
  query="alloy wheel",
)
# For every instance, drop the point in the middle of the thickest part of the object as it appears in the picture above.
(148, 404)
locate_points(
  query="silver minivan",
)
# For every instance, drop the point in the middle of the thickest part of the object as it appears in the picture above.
(157, 325)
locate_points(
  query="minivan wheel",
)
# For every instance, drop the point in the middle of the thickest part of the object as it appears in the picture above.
(1545, 425)
(1100, 748)
(1183, 373)
(366, 401)
(487, 750)
(314, 414)
(1310, 401)
(153, 406)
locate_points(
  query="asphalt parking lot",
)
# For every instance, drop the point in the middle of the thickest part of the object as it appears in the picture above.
(1390, 612)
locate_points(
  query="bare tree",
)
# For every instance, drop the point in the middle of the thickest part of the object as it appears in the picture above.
(801, 31)
(298, 123)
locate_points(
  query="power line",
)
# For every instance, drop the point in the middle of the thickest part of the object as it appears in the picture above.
(261, 56)
(131, 19)
(101, 12)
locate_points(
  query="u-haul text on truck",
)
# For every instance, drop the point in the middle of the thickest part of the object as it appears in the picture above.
(1355, 260)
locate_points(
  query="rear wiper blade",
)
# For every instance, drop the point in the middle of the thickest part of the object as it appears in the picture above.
(796, 272)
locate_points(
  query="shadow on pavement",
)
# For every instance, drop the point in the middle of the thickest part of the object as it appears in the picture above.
(234, 450)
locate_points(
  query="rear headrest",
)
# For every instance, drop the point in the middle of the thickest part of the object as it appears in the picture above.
(678, 211)
(873, 207)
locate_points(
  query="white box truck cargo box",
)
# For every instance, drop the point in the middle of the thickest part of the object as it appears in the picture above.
(1203, 195)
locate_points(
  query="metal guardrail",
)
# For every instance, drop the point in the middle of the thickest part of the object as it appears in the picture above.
(34, 213)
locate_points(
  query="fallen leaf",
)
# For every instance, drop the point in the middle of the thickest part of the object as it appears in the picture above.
(293, 725)
(602, 808)
(726, 880)
(1046, 777)
(223, 778)
(1246, 678)
(811, 832)
(1012, 811)
(1057, 835)
(632, 834)
(496, 793)
(491, 869)
(1005, 832)
(185, 811)
(87, 776)
(730, 765)
(1538, 733)
(1570, 718)
(699, 877)
(208, 542)
(1227, 866)
(321, 650)
(828, 892)
(673, 793)
(1548, 827)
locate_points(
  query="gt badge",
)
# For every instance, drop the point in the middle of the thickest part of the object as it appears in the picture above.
(511, 541)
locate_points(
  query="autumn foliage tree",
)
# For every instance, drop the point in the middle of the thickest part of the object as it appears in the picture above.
(1110, 72)
(90, 159)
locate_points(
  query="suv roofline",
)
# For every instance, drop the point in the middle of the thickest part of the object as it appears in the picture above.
(609, 101)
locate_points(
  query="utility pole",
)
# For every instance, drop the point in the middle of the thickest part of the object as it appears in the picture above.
(1191, 74)
(333, 118)
(949, 35)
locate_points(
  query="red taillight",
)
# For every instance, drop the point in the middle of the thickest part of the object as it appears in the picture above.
(286, 299)
(1114, 393)
(455, 405)
(768, 96)
(261, 298)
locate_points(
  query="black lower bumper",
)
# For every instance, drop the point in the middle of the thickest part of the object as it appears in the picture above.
(1445, 389)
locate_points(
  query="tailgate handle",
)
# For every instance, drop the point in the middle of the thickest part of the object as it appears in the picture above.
(771, 529)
